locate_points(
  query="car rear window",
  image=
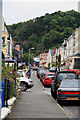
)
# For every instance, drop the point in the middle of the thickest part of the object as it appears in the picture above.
(62, 76)
(50, 75)
(70, 84)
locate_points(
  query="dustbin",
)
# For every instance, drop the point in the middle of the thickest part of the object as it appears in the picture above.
(2, 93)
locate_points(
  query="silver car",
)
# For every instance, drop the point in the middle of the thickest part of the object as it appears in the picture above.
(25, 83)
(69, 90)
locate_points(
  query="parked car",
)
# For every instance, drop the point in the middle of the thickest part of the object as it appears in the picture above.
(21, 73)
(35, 68)
(25, 83)
(68, 90)
(52, 69)
(61, 75)
(40, 72)
(47, 78)
(42, 76)
(76, 70)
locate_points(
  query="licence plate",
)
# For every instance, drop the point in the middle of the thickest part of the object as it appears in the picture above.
(72, 98)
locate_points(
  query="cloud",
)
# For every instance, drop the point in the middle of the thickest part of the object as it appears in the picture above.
(40, 0)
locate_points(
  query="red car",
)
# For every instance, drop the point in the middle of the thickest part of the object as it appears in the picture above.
(77, 71)
(47, 78)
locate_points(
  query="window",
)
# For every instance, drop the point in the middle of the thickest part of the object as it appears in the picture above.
(73, 50)
(8, 48)
(3, 39)
(70, 84)
(77, 63)
(50, 75)
(62, 76)
(74, 43)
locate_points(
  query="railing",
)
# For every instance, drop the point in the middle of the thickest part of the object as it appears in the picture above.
(8, 90)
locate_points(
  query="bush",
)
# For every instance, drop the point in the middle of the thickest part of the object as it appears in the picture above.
(12, 90)
(12, 74)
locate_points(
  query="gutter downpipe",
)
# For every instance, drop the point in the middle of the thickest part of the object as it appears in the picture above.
(0, 51)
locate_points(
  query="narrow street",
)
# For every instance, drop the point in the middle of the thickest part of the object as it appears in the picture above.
(37, 103)
(39, 59)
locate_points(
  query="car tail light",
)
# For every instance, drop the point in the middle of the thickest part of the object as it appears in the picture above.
(60, 92)
(67, 92)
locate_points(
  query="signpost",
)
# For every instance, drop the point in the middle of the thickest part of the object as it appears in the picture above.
(0, 50)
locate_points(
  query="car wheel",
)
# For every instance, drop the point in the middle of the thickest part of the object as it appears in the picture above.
(53, 93)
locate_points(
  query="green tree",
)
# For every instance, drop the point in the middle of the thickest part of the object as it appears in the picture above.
(67, 32)
(45, 32)
(26, 57)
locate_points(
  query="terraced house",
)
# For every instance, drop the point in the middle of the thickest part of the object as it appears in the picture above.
(6, 43)
(70, 51)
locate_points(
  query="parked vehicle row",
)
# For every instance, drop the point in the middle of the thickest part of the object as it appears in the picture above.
(64, 84)
(45, 77)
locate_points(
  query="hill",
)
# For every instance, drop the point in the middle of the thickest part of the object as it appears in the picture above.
(45, 32)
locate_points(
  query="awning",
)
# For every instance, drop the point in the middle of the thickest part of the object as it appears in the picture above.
(8, 60)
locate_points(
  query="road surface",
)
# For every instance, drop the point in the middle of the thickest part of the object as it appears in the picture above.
(37, 103)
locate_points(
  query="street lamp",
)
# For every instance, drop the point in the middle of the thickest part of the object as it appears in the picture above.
(56, 59)
(29, 56)
(59, 60)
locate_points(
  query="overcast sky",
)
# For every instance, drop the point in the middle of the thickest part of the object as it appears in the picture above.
(15, 11)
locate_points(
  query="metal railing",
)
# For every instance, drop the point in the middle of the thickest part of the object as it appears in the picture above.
(8, 90)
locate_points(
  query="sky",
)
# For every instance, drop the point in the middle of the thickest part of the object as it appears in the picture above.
(15, 11)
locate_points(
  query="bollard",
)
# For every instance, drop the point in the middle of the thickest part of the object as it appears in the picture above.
(2, 93)
(7, 86)
(5, 94)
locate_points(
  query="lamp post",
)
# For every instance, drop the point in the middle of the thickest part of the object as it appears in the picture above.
(56, 59)
(29, 56)
(59, 61)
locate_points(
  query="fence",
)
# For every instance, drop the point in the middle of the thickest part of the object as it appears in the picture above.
(8, 90)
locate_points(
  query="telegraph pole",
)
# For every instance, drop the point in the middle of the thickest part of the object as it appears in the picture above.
(0, 50)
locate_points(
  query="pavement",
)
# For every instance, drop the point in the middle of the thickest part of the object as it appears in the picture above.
(5, 111)
(35, 103)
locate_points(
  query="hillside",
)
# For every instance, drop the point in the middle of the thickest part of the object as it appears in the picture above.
(45, 32)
